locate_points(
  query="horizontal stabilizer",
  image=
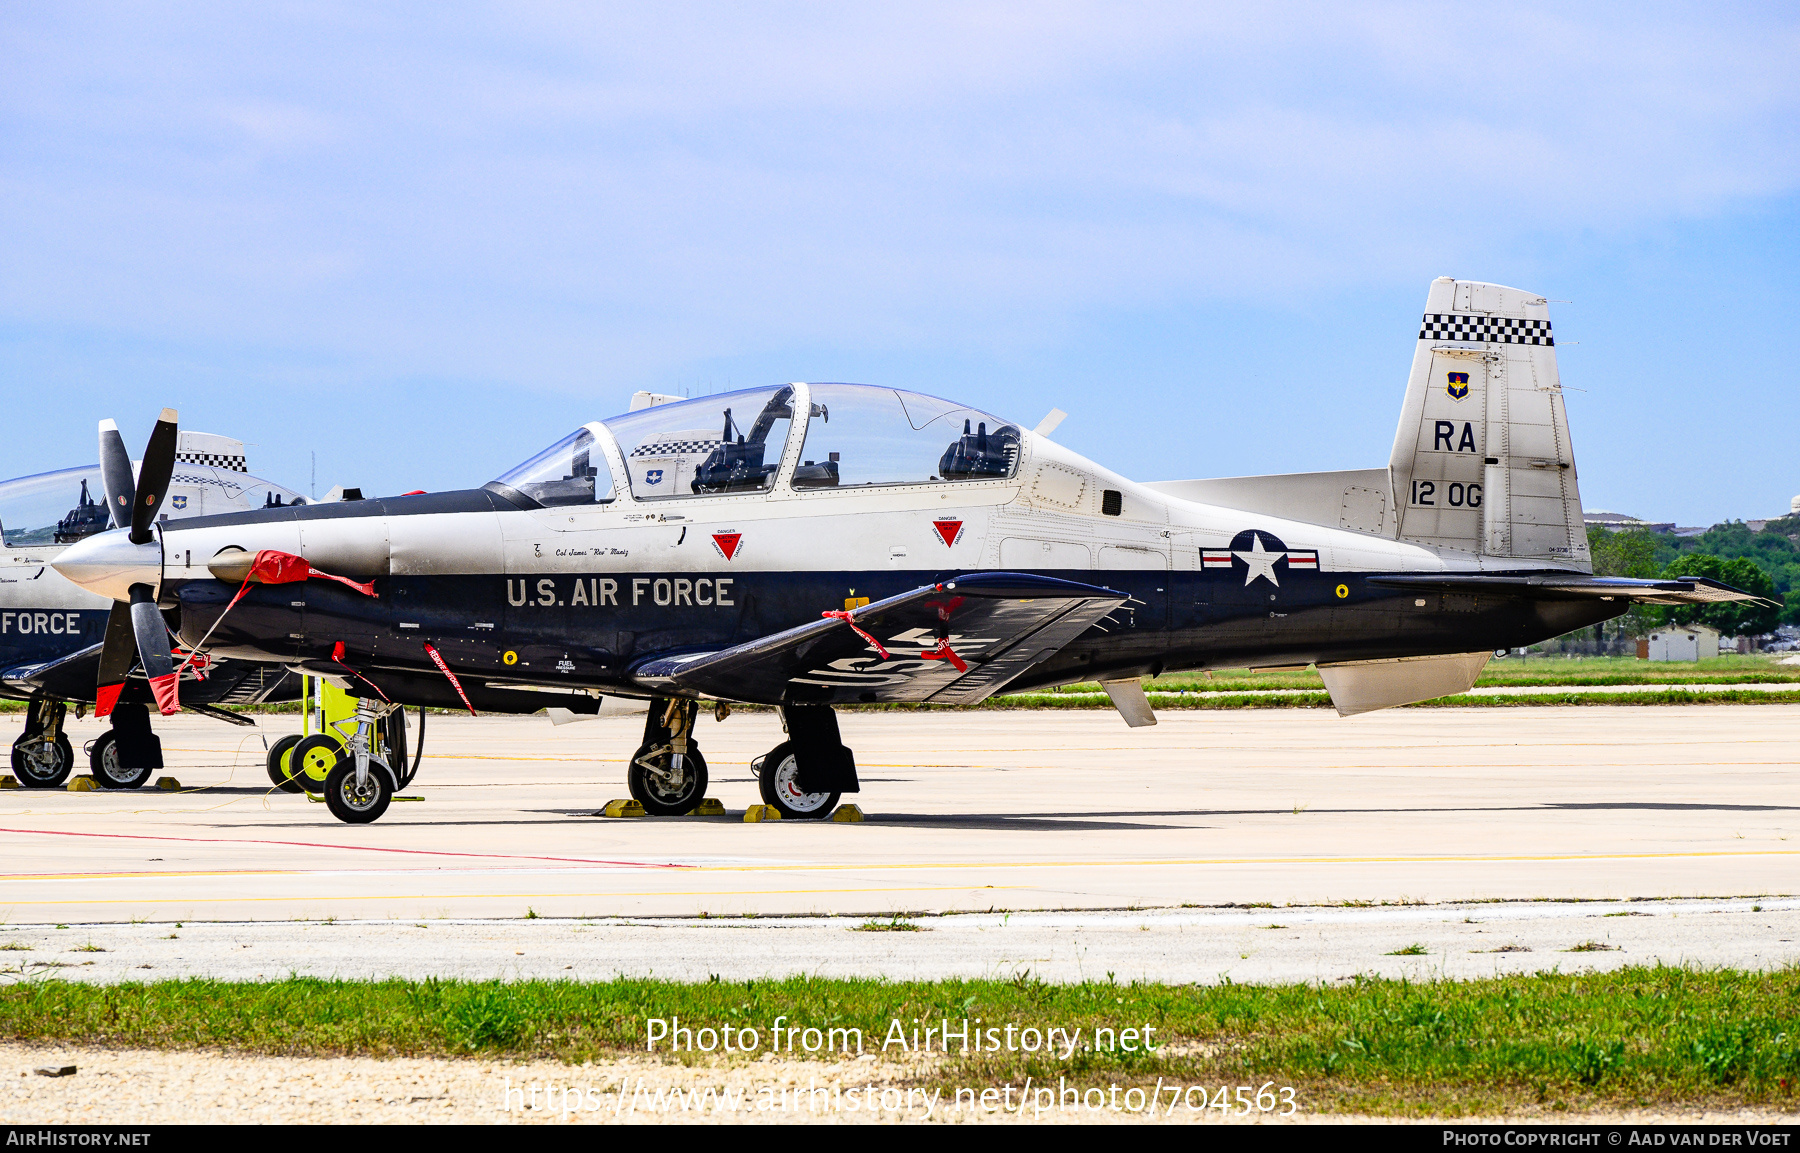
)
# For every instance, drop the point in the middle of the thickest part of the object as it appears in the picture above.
(1571, 586)
(953, 643)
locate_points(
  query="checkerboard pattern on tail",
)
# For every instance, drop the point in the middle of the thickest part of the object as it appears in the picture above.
(1485, 329)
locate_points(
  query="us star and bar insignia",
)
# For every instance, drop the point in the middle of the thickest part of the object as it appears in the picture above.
(1257, 554)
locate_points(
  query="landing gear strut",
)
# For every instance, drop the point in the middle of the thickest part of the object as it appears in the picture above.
(41, 756)
(667, 774)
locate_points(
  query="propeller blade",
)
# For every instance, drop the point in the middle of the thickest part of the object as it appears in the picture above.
(115, 475)
(153, 480)
(153, 648)
(117, 653)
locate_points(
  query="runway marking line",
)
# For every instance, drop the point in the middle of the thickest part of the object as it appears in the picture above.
(878, 867)
(351, 848)
(1248, 861)
(544, 896)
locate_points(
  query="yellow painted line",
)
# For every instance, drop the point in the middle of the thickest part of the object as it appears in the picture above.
(512, 896)
(1139, 864)
(876, 867)
(147, 876)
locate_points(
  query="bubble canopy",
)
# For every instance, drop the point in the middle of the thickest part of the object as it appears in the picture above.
(855, 436)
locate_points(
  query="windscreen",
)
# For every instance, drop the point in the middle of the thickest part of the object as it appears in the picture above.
(570, 472)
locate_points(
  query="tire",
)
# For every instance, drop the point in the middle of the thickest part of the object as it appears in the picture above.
(312, 760)
(41, 764)
(103, 760)
(776, 780)
(280, 765)
(656, 795)
(346, 803)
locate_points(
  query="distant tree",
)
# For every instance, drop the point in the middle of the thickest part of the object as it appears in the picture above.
(1791, 614)
(1731, 618)
(1626, 554)
(1631, 553)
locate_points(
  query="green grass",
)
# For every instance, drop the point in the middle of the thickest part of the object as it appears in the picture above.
(1321, 700)
(1631, 1037)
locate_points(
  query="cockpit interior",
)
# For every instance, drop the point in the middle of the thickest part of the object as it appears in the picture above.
(856, 436)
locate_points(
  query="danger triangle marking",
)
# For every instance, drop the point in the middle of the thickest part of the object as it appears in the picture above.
(949, 530)
(727, 543)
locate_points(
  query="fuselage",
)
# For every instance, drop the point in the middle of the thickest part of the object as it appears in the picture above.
(510, 592)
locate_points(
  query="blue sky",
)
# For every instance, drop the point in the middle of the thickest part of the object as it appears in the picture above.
(422, 242)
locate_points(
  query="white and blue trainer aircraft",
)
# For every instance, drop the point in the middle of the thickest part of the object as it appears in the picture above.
(811, 545)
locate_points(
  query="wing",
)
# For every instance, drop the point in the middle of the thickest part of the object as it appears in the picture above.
(69, 678)
(1571, 586)
(953, 643)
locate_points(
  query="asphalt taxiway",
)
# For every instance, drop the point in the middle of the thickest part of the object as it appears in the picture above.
(968, 811)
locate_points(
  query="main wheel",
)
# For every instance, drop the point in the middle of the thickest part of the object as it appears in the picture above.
(42, 764)
(110, 772)
(312, 760)
(281, 766)
(780, 770)
(666, 793)
(352, 805)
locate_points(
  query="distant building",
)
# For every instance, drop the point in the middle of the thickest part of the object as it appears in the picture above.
(1687, 643)
(1621, 522)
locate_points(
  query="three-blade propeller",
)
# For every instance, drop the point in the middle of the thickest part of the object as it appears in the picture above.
(133, 504)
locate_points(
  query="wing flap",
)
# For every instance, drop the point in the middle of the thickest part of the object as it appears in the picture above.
(958, 642)
(1568, 586)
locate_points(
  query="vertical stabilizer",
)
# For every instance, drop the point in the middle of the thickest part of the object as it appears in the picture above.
(1482, 461)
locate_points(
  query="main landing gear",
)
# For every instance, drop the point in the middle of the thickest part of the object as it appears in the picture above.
(667, 774)
(41, 756)
(128, 754)
(802, 777)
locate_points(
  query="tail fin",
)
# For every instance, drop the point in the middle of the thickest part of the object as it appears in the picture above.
(1482, 461)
